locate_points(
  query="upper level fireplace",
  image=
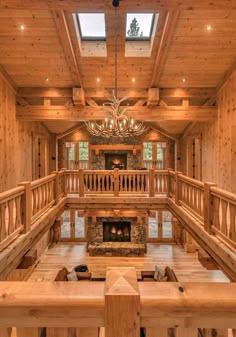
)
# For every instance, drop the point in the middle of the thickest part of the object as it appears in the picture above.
(113, 161)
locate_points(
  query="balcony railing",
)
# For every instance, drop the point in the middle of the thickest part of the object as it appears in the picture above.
(214, 208)
(122, 306)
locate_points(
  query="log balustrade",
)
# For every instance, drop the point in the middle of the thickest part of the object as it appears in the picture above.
(121, 305)
(22, 206)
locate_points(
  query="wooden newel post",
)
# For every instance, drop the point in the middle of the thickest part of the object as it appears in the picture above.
(122, 303)
(81, 182)
(168, 182)
(116, 182)
(56, 187)
(208, 207)
(177, 187)
(63, 181)
(151, 182)
(26, 207)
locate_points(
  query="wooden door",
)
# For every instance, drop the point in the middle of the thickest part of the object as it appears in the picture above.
(73, 226)
(160, 227)
(39, 161)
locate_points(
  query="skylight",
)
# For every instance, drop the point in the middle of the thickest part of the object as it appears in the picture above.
(92, 26)
(139, 26)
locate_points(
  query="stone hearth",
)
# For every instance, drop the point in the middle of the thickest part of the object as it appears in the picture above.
(136, 246)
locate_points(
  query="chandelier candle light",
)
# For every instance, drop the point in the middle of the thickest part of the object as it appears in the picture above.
(118, 124)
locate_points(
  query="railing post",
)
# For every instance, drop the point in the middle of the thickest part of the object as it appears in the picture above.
(26, 205)
(63, 185)
(81, 183)
(168, 182)
(116, 182)
(151, 182)
(122, 303)
(177, 187)
(208, 207)
(56, 187)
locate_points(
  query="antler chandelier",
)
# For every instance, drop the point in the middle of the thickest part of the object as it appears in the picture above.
(118, 123)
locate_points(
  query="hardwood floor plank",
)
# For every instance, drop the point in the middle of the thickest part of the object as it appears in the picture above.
(186, 265)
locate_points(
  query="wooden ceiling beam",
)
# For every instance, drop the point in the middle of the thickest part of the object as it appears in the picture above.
(67, 46)
(142, 113)
(166, 37)
(100, 5)
(131, 93)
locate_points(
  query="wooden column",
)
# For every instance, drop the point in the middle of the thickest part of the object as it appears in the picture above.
(177, 187)
(116, 182)
(81, 183)
(122, 303)
(151, 182)
(208, 207)
(56, 187)
(57, 229)
(26, 205)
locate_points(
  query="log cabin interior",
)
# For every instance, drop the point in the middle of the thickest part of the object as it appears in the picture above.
(117, 168)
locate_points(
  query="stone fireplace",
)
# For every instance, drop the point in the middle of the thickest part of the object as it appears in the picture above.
(117, 160)
(116, 231)
(117, 236)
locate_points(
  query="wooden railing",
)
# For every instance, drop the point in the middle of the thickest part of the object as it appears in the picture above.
(122, 306)
(214, 208)
(11, 218)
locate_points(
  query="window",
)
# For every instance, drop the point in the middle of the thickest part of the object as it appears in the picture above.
(147, 151)
(154, 155)
(91, 26)
(83, 150)
(139, 26)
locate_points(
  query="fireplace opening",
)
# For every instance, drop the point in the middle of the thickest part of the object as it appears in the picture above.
(116, 231)
(113, 161)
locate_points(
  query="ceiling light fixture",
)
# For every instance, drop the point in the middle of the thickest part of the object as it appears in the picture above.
(118, 124)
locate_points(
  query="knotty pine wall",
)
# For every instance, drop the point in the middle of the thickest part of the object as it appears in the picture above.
(16, 141)
(218, 141)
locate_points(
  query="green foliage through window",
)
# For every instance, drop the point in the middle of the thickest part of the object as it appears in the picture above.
(83, 151)
(147, 151)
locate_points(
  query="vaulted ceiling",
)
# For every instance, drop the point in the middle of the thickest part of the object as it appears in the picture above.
(175, 85)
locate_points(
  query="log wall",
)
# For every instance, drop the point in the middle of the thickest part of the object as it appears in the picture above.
(16, 155)
(218, 141)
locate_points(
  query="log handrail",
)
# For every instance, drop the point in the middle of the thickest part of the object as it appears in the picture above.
(184, 305)
(215, 208)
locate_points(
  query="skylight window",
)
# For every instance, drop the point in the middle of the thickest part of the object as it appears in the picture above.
(139, 26)
(92, 26)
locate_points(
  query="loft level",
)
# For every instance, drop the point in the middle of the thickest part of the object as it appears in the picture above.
(207, 212)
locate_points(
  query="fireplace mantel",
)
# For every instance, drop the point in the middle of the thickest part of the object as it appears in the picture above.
(116, 147)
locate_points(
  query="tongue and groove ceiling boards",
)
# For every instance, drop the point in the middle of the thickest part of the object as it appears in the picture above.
(171, 79)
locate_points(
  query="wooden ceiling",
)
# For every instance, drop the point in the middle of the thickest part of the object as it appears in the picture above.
(182, 47)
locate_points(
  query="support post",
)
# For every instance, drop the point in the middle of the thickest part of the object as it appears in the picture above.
(56, 187)
(81, 183)
(151, 182)
(177, 187)
(122, 303)
(116, 182)
(208, 207)
(26, 205)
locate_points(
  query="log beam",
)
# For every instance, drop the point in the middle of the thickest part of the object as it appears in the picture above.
(142, 113)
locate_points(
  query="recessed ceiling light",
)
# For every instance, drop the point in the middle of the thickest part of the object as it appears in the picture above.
(133, 79)
(22, 27)
(183, 80)
(208, 27)
(98, 79)
(46, 79)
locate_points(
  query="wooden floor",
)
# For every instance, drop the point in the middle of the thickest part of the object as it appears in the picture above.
(186, 265)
